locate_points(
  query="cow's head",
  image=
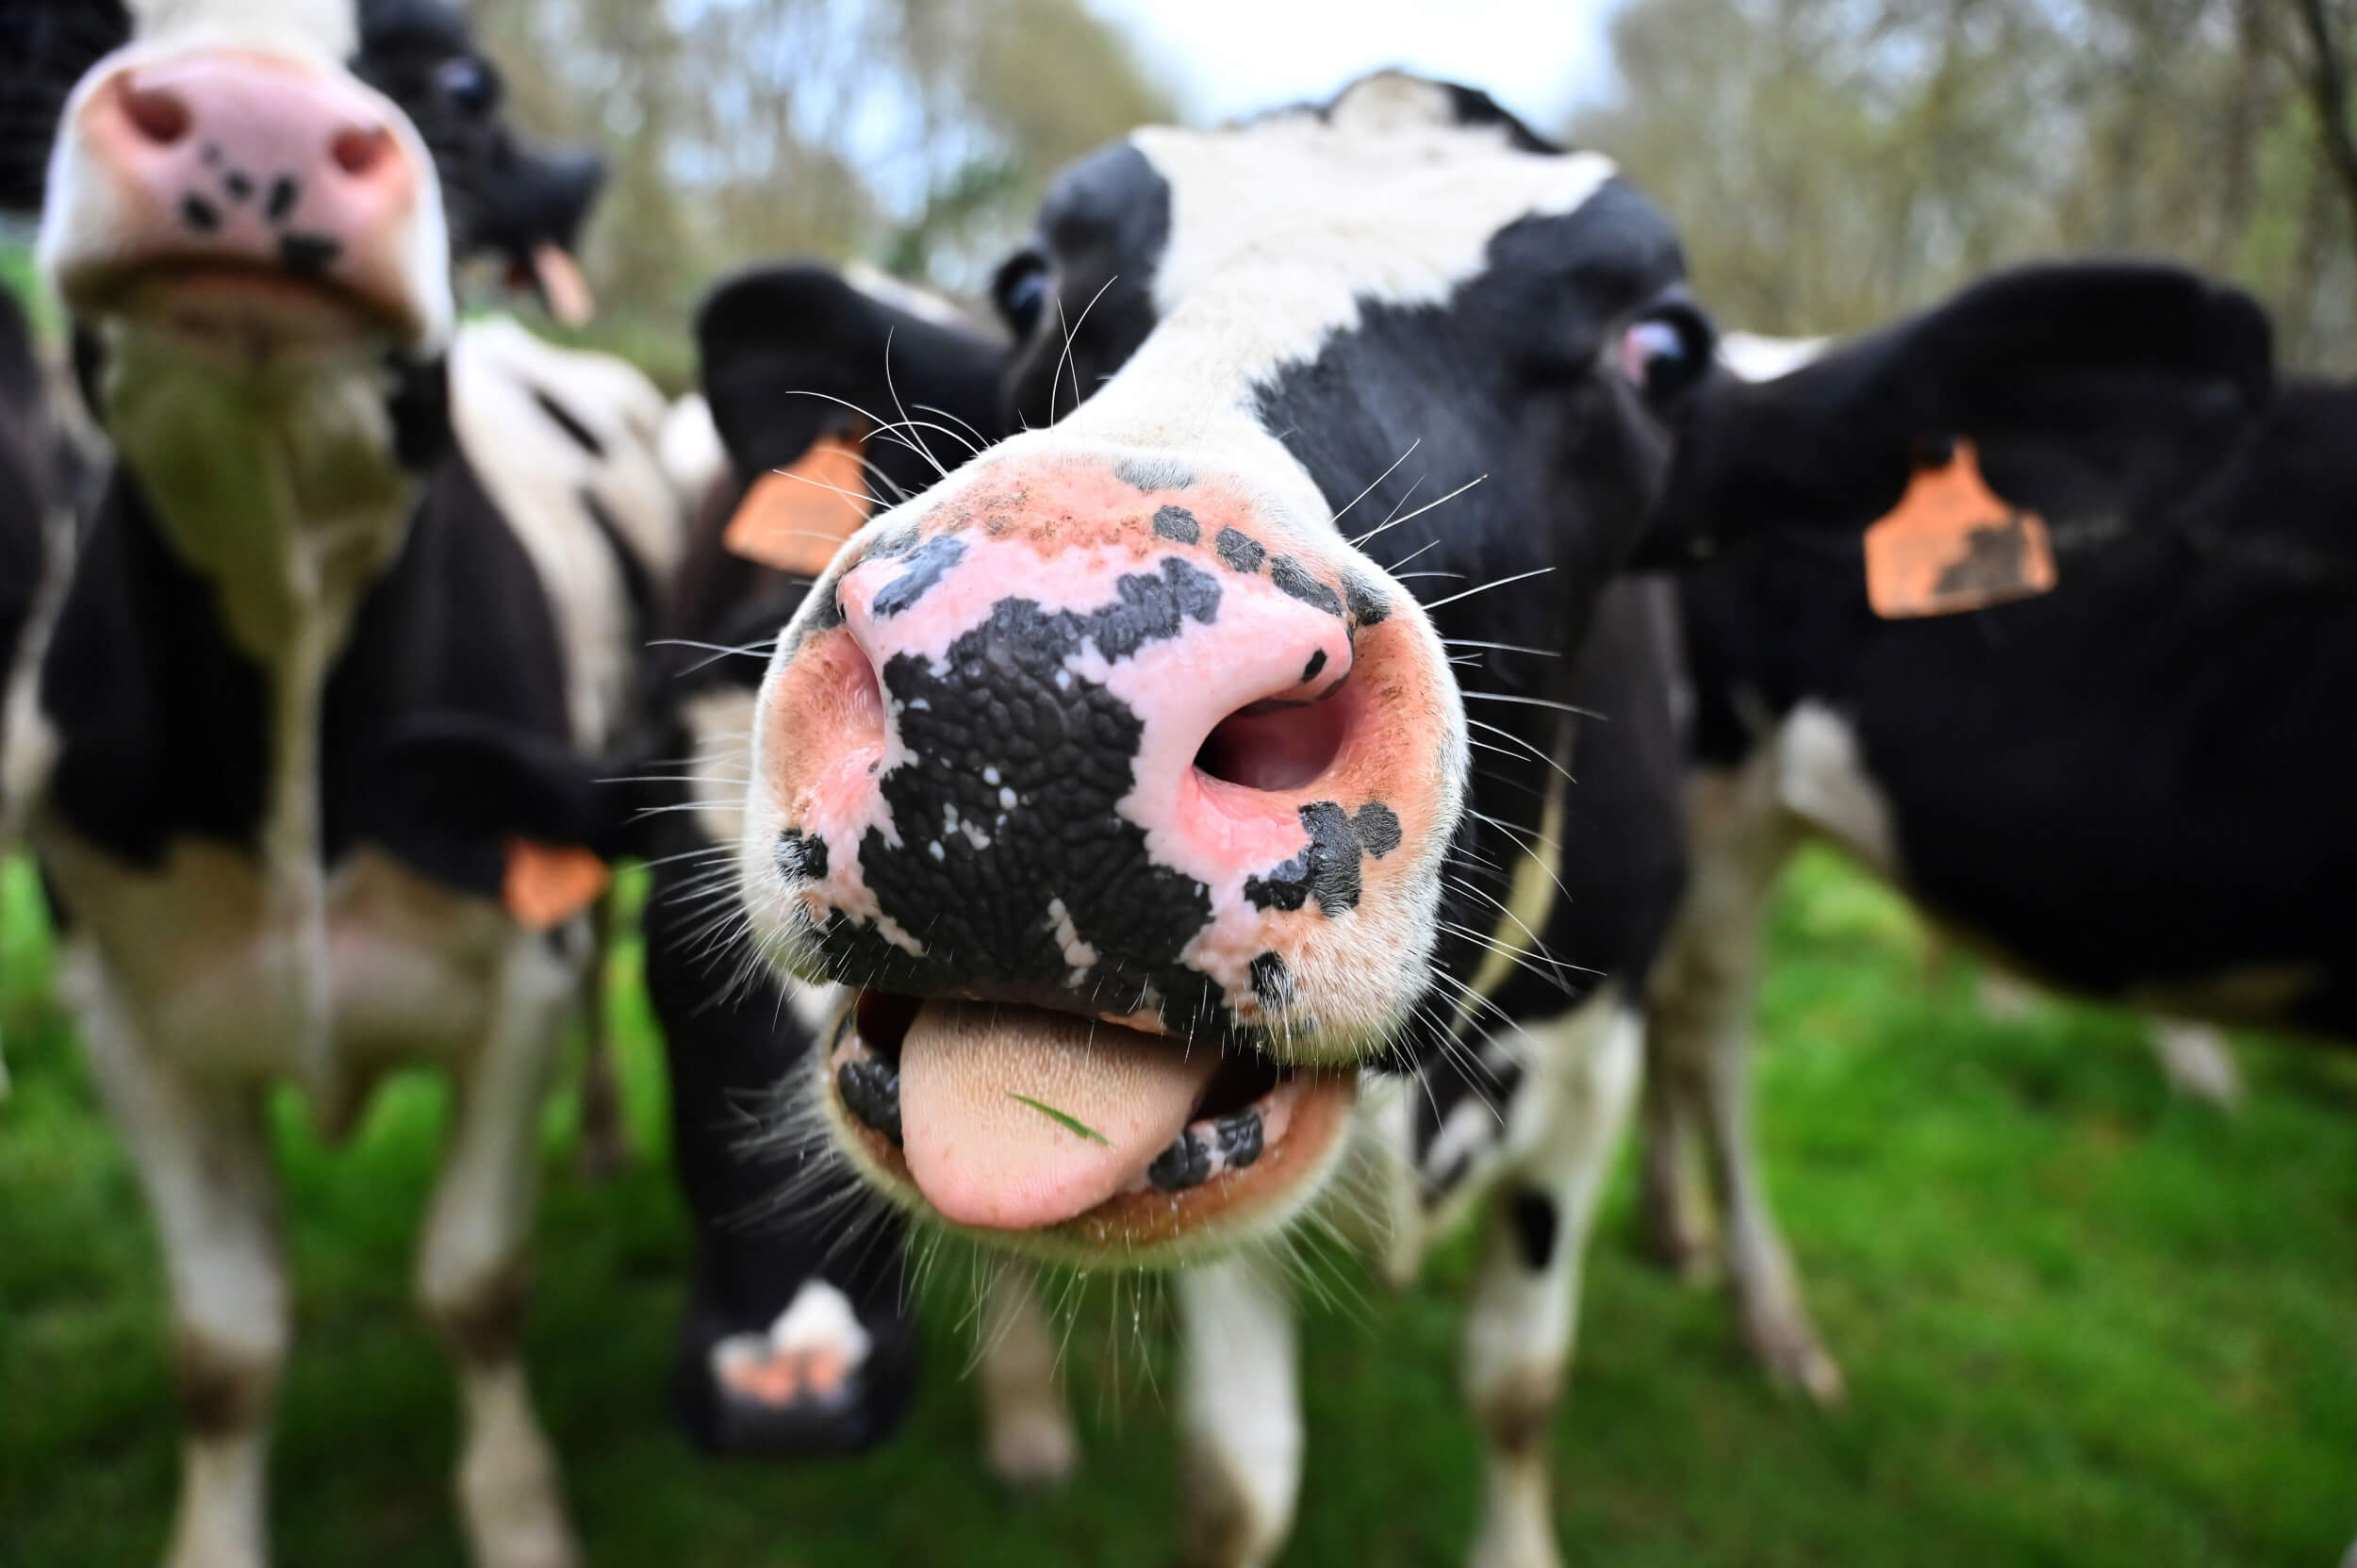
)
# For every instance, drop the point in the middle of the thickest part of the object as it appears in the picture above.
(2094, 394)
(267, 174)
(1125, 776)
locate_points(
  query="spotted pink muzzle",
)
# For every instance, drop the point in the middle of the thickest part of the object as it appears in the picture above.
(1055, 741)
(201, 181)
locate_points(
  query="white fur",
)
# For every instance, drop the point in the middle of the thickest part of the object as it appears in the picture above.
(690, 450)
(1823, 781)
(537, 473)
(1239, 1409)
(1758, 358)
(329, 29)
(1567, 1123)
(1028, 1436)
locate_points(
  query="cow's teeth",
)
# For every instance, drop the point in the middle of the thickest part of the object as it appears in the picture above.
(1206, 1148)
(870, 1088)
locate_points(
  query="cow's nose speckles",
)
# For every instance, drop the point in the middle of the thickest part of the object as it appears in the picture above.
(1132, 744)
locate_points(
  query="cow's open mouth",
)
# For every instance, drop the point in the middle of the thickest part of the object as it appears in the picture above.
(1013, 1119)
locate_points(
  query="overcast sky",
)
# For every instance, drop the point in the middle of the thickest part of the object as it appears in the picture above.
(1227, 57)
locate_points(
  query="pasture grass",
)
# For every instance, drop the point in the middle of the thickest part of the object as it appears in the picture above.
(2084, 1323)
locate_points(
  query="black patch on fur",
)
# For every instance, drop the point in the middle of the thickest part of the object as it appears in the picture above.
(237, 185)
(1151, 475)
(1368, 604)
(870, 1088)
(1179, 524)
(1293, 578)
(1310, 671)
(800, 857)
(1004, 714)
(283, 192)
(1328, 869)
(566, 421)
(1535, 1222)
(1272, 981)
(199, 214)
(1240, 551)
(308, 255)
(927, 566)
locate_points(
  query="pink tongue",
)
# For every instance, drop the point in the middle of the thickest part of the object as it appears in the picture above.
(974, 1077)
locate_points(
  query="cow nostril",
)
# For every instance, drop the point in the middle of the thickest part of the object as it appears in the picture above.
(358, 150)
(157, 114)
(1274, 745)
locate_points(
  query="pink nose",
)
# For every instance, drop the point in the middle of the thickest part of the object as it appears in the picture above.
(1056, 735)
(246, 159)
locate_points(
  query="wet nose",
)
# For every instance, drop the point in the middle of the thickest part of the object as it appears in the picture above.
(1051, 731)
(242, 158)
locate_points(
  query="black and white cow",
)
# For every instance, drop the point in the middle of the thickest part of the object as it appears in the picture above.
(1143, 808)
(362, 598)
(1163, 770)
(2133, 787)
(797, 1335)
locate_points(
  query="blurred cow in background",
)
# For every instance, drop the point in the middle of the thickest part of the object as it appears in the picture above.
(837, 396)
(2135, 787)
(364, 594)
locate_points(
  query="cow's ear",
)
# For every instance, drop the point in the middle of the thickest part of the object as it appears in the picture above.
(790, 353)
(2089, 392)
(45, 47)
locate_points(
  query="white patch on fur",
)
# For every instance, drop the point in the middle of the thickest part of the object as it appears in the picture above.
(1821, 778)
(536, 475)
(689, 448)
(719, 725)
(329, 29)
(1239, 1403)
(1754, 358)
(922, 304)
(1281, 233)
(819, 1318)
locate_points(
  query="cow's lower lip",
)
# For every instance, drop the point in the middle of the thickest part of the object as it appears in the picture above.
(1260, 1134)
(211, 298)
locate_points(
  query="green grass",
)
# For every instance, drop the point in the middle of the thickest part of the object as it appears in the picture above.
(2083, 1324)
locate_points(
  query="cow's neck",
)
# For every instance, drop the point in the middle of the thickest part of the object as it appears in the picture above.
(280, 484)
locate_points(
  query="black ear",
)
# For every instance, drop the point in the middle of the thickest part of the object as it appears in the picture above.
(794, 353)
(45, 47)
(2090, 389)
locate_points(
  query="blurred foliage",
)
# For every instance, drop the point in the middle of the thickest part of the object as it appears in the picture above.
(918, 132)
(1832, 162)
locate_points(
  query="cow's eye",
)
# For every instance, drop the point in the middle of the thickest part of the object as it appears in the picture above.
(466, 84)
(1665, 354)
(1020, 291)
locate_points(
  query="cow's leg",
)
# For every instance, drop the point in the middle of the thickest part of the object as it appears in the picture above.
(1027, 1431)
(1239, 1413)
(203, 1154)
(1673, 1218)
(1569, 1120)
(1703, 1000)
(472, 1268)
(2198, 1061)
(604, 1134)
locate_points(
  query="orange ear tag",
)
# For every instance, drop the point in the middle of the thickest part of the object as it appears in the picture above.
(795, 519)
(546, 885)
(1954, 544)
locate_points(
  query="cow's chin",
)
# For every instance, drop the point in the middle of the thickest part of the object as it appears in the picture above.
(243, 312)
(1260, 1141)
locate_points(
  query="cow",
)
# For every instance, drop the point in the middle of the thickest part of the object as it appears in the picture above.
(318, 719)
(1144, 814)
(796, 1336)
(2129, 786)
